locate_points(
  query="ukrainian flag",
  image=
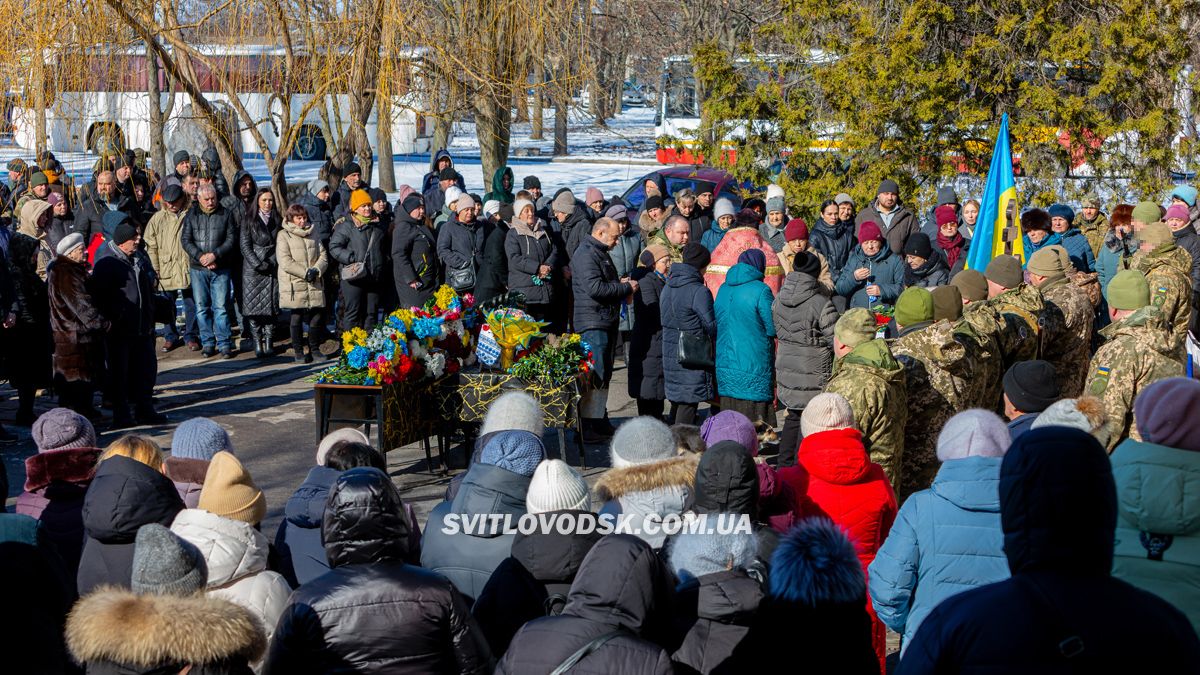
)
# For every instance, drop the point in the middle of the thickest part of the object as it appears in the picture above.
(998, 195)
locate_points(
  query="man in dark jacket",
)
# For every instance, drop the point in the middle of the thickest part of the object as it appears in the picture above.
(374, 613)
(896, 221)
(435, 194)
(210, 236)
(440, 162)
(89, 219)
(599, 294)
(686, 306)
(123, 284)
(351, 181)
(1061, 611)
(415, 265)
(621, 592)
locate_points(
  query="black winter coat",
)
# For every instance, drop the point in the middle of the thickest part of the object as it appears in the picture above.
(622, 585)
(124, 495)
(598, 290)
(685, 306)
(260, 281)
(935, 272)
(320, 214)
(215, 232)
(373, 613)
(714, 614)
(527, 251)
(835, 242)
(460, 245)
(351, 244)
(414, 258)
(646, 378)
(60, 227)
(89, 218)
(1188, 240)
(123, 287)
(492, 277)
(531, 583)
(1058, 509)
(804, 319)
(301, 556)
(576, 229)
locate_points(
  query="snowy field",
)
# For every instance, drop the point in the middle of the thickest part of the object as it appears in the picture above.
(615, 157)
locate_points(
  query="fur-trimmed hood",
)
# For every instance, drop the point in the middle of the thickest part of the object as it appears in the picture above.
(151, 631)
(186, 470)
(815, 564)
(678, 472)
(73, 465)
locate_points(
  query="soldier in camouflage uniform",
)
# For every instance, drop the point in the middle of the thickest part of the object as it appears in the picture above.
(938, 376)
(1137, 352)
(1168, 271)
(1092, 222)
(980, 325)
(1021, 310)
(1069, 316)
(866, 373)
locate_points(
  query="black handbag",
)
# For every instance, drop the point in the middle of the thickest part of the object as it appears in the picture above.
(695, 350)
(461, 278)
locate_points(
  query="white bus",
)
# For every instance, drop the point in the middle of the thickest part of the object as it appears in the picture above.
(99, 95)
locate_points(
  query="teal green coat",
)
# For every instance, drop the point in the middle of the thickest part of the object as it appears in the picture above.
(1158, 493)
(745, 335)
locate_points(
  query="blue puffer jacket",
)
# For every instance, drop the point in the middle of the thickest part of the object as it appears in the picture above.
(298, 539)
(1030, 248)
(1112, 258)
(685, 305)
(1079, 249)
(946, 540)
(712, 236)
(745, 330)
(887, 270)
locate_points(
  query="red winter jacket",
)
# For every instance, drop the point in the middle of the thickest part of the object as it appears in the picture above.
(836, 478)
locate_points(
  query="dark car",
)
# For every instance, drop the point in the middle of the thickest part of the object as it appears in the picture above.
(680, 177)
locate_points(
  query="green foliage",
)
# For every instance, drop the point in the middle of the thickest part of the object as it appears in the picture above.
(558, 360)
(861, 90)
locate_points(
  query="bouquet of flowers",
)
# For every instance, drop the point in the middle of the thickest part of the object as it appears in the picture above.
(883, 316)
(410, 344)
(510, 330)
(557, 360)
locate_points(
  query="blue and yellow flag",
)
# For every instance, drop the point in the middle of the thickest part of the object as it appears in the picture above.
(998, 195)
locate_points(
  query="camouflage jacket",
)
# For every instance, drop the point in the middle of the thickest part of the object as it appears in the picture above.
(1137, 352)
(873, 382)
(1068, 338)
(1168, 270)
(939, 374)
(981, 324)
(1093, 230)
(1022, 321)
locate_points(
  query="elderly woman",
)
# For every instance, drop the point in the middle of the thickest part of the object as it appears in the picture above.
(77, 326)
(532, 258)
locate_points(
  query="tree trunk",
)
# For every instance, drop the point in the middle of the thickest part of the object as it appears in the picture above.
(158, 118)
(538, 132)
(387, 166)
(38, 77)
(560, 124)
(521, 104)
(493, 126)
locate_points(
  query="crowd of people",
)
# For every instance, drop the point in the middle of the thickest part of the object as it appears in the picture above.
(899, 499)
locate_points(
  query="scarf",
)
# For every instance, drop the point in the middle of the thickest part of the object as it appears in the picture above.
(953, 247)
(264, 216)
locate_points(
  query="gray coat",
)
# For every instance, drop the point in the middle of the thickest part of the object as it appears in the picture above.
(625, 256)
(527, 251)
(804, 320)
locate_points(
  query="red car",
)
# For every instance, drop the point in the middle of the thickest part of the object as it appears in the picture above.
(677, 178)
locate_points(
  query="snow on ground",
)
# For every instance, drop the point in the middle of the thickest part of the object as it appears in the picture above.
(629, 138)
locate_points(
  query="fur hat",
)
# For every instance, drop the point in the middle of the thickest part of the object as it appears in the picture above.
(855, 327)
(826, 412)
(1168, 413)
(555, 486)
(1085, 413)
(641, 440)
(1062, 211)
(972, 284)
(517, 451)
(348, 434)
(199, 438)
(513, 410)
(230, 492)
(730, 425)
(696, 554)
(1035, 219)
(973, 433)
(166, 564)
(62, 429)
(816, 564)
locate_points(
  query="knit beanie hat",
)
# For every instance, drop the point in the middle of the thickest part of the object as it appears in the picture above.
(796, 229)
(947, 303)
(843, 198)
(564, 202)
(914, 305)
(62, 429)
(358, 199)
(517, 451)
(464, 202)
(200, 438)
(773, 191)
(888, 185)
(855, 327)
(166, 564)
(1177, 211)
(452, 194)
(316, 185)
(69, 243)
(230, 492)
(973, 433)
(945, 214)
(123, 232)
(1156, 234)
(641, 440)
(1005, 270)
(652, 254)
(826, 412)
(730, 425)
(531, 182)
(694, 554)
(1061, 211)
(411, 203)
(754, 258)
(592, 194)
(918, 245)
(1048, 262)
(347, 434)
(555, 486)
(1085, 413)
(513, 410)
(351, 168)
(1031, 385)
(180, 157)
(723, 207)
(695, 255)
(971, 284)
(808, 263)
(776, 204)
(38, 178)
(448, 173)
(1146, 212)
(518, 206)
(1185, 192)
(617, 212)
(653, 202)
(869, 231)
(1168, 413)
(1128, 290)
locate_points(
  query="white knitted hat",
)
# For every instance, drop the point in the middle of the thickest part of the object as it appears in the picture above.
(452, 194)
(514, 410)
(826, 412)
(641, 440)
(555, 486)
(973, 433)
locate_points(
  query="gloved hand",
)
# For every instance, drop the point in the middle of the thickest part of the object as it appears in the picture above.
(311, 275)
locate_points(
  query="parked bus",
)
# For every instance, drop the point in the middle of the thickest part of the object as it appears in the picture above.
(98, 96)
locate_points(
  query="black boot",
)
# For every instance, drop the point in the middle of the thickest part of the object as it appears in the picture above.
(297, 335)
(256, 334)
(267, 330)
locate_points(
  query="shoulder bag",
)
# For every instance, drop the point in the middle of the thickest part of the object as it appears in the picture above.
(695, 349)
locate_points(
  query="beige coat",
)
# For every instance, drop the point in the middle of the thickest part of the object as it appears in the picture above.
(30, 212)
(164, 244)
(824, 279)
(298, 251)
